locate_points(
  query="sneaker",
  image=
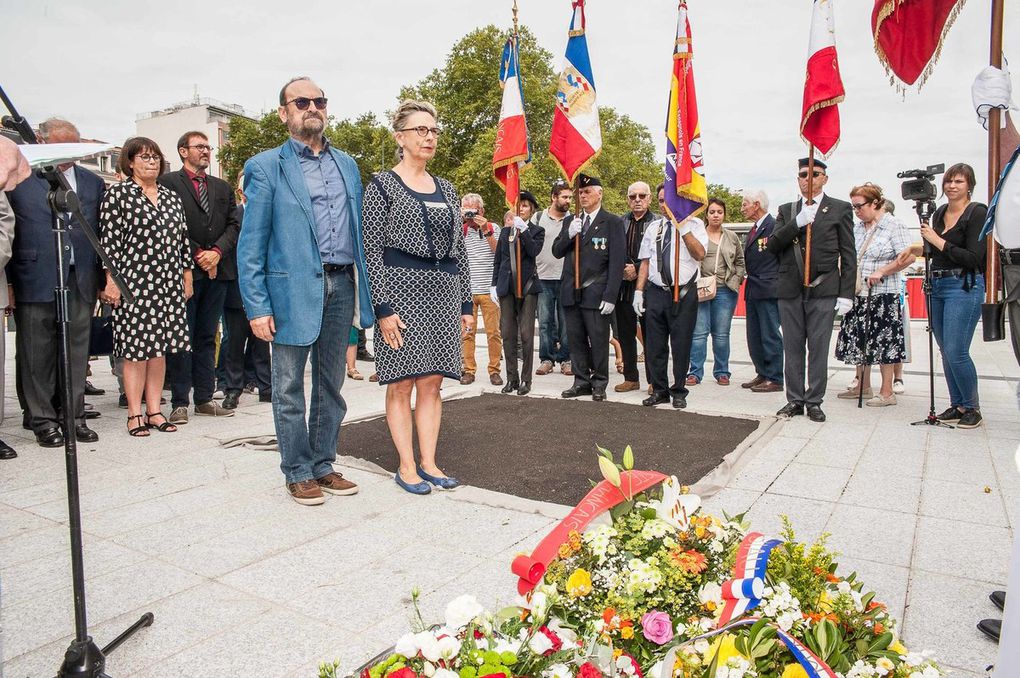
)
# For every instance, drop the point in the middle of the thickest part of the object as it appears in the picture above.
(307, 492)
(179, 416)
(334, 483)
(213, 409)
(852, 394)
(566, 369)
(545, 367)
(970, 419)
(951, 415)
(898, 387)
(881, 401)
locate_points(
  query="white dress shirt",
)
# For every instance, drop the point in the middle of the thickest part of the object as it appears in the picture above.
(689, 266)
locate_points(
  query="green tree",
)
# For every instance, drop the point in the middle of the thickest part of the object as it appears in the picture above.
(249, 138)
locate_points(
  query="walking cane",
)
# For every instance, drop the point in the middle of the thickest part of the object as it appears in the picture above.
(865, 365)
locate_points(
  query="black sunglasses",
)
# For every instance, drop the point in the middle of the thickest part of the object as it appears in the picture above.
(803, 175)
(302, 103)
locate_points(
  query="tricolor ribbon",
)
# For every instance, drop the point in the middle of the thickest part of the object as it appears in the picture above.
(743, 592)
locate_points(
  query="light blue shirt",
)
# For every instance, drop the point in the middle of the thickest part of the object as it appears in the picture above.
(329, 203)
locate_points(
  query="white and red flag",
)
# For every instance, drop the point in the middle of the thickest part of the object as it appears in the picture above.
(512, 152)
(576, 133)
(823, 86)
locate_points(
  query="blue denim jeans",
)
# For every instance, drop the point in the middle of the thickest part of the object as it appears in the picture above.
(715, 318)
(552, 324)
(308, 449)
(954, 317)
(764, 339)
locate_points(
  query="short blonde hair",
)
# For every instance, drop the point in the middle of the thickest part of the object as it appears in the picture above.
(407, 108)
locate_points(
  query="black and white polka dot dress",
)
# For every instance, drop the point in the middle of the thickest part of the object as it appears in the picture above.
(417, 268)
(149, 245)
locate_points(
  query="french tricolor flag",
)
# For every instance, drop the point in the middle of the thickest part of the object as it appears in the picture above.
(576, 133)
(823, 87)
(512, 151)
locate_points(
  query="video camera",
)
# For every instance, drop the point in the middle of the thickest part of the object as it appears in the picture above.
(920, 185)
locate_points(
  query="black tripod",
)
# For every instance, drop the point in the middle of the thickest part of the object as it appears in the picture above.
(925, 208)
(83, 657)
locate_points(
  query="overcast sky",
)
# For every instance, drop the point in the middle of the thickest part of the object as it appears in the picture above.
(101, 63)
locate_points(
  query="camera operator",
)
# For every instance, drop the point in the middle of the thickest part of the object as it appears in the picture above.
(957, 288)
(480, 238)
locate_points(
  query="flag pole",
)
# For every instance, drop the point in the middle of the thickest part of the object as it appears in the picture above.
(808, 200)
(517, 203)
(994, 164)
(577, 242)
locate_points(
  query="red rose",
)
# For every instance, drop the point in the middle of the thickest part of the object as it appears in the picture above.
(403, 673)
(557, 643)
(589, 670)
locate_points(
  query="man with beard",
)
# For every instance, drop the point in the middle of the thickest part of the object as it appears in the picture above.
(301, 266)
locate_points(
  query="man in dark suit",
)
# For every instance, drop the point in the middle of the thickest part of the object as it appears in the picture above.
(211, 212)
(764, 341)
(32, 279)
(806, 312)
(602, 256)
(639, 197)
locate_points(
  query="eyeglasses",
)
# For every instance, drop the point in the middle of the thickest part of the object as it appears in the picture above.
(302, 103)
(149, 157)
(637, 196)
(857, 205)
(201, 147)
(662, 201)
(803, 175)
(422, 130)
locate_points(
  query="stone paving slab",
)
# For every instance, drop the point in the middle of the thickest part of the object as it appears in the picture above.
(244, 581)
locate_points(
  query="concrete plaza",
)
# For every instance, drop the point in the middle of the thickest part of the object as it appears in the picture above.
(243, 581)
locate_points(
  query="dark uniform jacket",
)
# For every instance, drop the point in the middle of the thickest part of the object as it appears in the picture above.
(833, 252)
(603, 252)
(633, 233)
(217, 228)
(762, 266)
(530, 242)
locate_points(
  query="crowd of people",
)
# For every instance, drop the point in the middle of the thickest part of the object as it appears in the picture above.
(301, 257)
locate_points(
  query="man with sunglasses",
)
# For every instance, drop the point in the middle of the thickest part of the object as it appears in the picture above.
(301, 265)
(211, 213)
(639, 196)
(806, 312)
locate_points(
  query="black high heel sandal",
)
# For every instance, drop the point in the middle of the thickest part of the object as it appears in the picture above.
(138, 431)
(165, 427)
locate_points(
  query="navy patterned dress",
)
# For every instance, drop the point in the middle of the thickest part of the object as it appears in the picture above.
(418, 269)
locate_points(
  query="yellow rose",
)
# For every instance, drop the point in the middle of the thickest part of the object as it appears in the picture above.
(794, 671)
(898, 648)
(723, 648)
(579, 583)
(627, 632)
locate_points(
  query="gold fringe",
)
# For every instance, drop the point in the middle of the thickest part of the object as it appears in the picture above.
(887, 9)
(575, 33)
(811, 111)
(583, 167)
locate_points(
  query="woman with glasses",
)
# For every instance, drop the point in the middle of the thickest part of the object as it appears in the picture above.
(144, 230)
(421, 289)
(724, 258)
(872, 331)
(957, 288)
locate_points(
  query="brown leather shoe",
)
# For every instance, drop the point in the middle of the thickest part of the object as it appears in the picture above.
(307, 492)
(723, 381)
(334, 483)
(627, 386)
(545, 368)
(767, 387)
(754, 382)
(567, 369)
(495, 379)
(467, 378)
(692, 380)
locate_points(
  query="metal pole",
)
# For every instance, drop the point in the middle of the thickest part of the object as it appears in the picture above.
(994, 117)
(808, 200)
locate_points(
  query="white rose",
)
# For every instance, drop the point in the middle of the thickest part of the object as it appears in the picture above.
(540, 643)
(430, 648)
(448, 647)
(462, 610)
(407, 646)
(557, 671)
(711, 592)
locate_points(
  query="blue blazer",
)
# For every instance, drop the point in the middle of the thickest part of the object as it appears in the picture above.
(33, 266)
(762, 266)
(278, 261)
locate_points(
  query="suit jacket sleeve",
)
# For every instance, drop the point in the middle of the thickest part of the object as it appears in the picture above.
(563, 242)
(783, 233)
(253, 244)
(847, 254)
(740, 268)
(228, 240)
(532, 240)
(6, 232)
(617, 259)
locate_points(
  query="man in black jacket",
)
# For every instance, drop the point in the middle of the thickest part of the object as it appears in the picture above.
(211, 212)
(764, 340)
(806, 312)
(602, 255)
(639, 196)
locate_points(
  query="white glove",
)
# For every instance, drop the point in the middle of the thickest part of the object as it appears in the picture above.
(520, 224)
(493, 295)
(843, 305)
(807, 215)
(605, 308)
(639, 302)
(574, 229)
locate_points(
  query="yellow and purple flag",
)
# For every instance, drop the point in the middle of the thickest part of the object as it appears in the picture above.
(686, 191)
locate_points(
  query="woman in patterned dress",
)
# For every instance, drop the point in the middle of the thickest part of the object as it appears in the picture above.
(420, 283)
(143, 229)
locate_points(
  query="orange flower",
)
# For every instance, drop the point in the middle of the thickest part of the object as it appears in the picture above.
(873, 605)
(564, 551)
(611, 619)
(832, 579)
(690, 561)
(879, 629)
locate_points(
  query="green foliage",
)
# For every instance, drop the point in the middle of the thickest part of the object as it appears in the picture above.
(804, 568)
(249, 138)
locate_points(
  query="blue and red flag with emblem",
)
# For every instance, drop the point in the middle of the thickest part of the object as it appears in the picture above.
(512, 152)
(576, 132)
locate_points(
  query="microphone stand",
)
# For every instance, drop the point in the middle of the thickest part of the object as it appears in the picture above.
(924, 211)
(83, 658)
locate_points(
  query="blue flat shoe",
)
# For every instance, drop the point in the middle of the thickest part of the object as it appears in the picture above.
(416, 488)
(443, 483)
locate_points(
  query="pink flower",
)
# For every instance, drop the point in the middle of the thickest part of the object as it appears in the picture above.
(657, 627)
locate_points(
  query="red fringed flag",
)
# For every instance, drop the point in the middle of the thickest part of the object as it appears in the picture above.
(823, 87)
(512, 152)
(909, 34)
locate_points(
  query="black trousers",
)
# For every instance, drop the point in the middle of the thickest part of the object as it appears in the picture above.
(588, 337)
(197, 369)
(669, 331)
(627, 322)
(518, 319)
(241, 343)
